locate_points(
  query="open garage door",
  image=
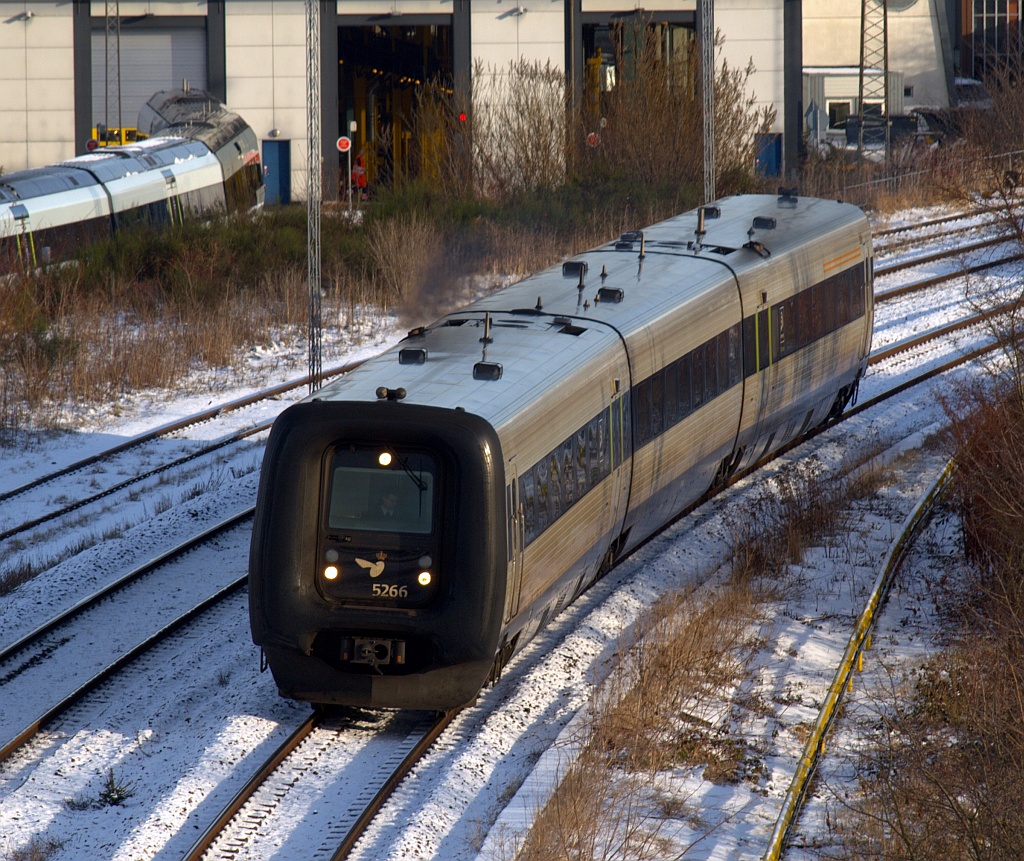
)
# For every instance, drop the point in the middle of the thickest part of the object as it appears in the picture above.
(152, 58)
(381, 71)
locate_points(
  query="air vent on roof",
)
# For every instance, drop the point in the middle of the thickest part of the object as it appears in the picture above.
(567, 326)
(610, 294)
(412, 356)
(574, 268)
(486, 371)
(627, 240)
(763, 222)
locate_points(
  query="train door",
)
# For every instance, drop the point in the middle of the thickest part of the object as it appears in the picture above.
(516, 540)
(759, 375)
(620, 439)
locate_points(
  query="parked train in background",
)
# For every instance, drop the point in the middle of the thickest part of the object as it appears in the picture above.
(201, 159)
(420, 519)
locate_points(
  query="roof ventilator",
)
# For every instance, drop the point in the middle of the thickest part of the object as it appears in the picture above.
(788, 195)
(572, 268)
(568, 327)
(412, 356)
(628, 239)
(609, 294)
(761, 222)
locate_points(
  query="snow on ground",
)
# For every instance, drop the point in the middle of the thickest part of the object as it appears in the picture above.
(481, 786)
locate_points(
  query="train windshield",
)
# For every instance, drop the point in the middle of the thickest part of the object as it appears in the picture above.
(381, 489)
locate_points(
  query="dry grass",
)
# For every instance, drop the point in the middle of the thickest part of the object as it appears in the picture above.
(657, 711)
(944, 779)
(673, 694)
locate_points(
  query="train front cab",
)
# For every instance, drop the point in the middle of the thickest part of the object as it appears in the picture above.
(353, 605)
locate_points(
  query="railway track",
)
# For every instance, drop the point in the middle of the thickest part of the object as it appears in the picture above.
(851, 660)
(323, 750)
(10, 497)
(49, 670)
(892, 239)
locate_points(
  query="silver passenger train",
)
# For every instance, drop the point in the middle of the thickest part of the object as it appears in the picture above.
(420, 519)
(202, 160)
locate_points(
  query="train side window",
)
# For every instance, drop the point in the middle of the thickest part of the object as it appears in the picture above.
(643, 412)
(569, 496)
(779, 333)
(542, 487)
(556, 501)
(749, 346)
(672, 414)
(710, 370)
(598, 431)
(856, 283)
(842, 293)
(735, 368)
(657, 404)
(528, 501)
(581, 464)
(697, 379)
(722, 360)
(684, 385)
(799, 321)
(816, 329)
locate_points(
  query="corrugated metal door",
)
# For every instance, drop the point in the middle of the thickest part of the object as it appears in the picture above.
(152, 59)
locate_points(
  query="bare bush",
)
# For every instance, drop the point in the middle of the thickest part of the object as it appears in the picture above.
(943, 778)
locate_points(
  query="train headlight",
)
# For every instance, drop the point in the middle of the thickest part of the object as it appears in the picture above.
(331, 572)
(424, 578)
(385, 458)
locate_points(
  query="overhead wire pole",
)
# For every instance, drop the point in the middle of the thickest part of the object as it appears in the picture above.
(707, 70)
(112, 57)
(314, 191)
(873, 83)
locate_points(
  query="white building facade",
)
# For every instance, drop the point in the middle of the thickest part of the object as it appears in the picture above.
(65, 67)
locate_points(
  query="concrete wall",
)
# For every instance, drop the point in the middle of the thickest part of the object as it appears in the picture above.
(265, 52)
(37, 84)
(753, 31)
(832, 38)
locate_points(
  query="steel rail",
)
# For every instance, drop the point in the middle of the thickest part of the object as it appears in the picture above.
(387, 790)
(939, 279)
(852, 657)
(140, 571)
(142, 476)
(29, 732)
(945, 219)
(279, 757)
(172, 427)
(213, 830)
(943, 255)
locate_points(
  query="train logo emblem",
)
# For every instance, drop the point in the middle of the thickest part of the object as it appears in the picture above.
(375, 568)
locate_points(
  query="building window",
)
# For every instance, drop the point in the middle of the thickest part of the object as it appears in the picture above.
(838, 113)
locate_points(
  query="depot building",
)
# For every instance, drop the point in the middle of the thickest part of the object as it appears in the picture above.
(70, 68)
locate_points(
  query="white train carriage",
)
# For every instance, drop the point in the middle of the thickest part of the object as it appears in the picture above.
(206, 164)
(539, 434)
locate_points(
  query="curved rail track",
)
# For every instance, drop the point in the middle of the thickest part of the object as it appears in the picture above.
(852, 656)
